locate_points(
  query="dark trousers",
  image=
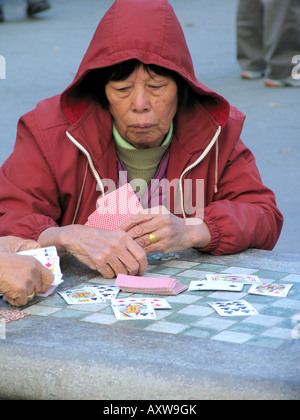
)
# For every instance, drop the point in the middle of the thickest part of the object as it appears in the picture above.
(268, 36)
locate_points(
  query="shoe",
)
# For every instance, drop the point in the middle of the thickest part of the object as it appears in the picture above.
(1, 15)
(286, 82)
(35, 7)
(252, 75)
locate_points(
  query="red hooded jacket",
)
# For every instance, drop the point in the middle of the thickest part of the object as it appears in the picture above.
(44, 182)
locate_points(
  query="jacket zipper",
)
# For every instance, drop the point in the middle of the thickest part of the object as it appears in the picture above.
(199, 160)
(196, 163)
(93, 169)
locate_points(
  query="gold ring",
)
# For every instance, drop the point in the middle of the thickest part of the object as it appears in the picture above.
(31, 296)
(152, 238)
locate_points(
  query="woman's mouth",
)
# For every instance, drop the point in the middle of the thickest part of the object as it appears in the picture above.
(141, 126)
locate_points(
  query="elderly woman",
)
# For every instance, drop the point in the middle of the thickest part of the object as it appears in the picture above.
(135, 105)
(21, 277)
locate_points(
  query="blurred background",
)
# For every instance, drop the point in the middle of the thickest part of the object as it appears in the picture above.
(42, 55)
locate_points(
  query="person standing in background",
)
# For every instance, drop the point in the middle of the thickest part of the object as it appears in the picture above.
(268, 38)
(33, 7)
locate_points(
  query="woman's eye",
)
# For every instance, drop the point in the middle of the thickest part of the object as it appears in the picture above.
(124, 89)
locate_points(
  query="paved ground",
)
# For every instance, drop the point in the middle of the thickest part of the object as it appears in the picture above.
(43, 54)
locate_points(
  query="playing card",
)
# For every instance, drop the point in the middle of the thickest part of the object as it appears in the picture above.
(234, 278)
(49, 258)
(270, 289)
(114, 208)
(234, 308)
(215, 285)
(149, 285)
(124, 310)
(40, 253)
(157, 303)
(80, 296)
(106, 291)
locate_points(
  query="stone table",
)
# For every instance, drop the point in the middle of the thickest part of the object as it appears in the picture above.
(188, 352)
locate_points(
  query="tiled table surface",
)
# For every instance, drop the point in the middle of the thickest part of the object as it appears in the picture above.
(189, 352)
(190, 314)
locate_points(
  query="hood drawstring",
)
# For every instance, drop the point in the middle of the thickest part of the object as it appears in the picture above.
(93, 169)
(216, 168)
(201, 157)
(213, 142)
(81, 194)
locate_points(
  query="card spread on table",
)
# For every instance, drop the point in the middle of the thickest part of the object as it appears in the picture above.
(270, 289)
(149, 285)
(49, 258)
(234, 278)
(219, 285)
(114, 208)
(106, 291)
(157, 303)
(81, 296)
(125, 310)
(234, 308)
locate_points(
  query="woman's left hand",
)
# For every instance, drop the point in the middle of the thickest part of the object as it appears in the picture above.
(157, 229)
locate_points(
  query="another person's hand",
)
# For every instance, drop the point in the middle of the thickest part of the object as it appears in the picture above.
(109, 252)
(15, 244)
(22, 277)
(157, 229)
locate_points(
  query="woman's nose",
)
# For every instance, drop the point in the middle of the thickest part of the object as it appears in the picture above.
(140, 101)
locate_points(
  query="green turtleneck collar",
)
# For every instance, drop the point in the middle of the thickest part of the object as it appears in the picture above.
(141, 163)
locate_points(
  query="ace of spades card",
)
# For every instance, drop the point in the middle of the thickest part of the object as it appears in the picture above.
(215, 285)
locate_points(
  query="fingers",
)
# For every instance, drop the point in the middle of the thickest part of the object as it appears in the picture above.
(47, 278)
(22, 277)
(15, 302)
(124, 256)
(139, 262)
(142, 217)
(15, 244)
(27, 244)
(133, 221)
(109, 252)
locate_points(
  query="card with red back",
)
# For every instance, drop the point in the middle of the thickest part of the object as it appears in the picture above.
(149, 285)
(114, 208)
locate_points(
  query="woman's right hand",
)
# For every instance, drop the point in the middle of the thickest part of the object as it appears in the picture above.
(109, 252)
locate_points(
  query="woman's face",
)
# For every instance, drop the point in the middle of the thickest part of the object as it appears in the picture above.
(143, 107)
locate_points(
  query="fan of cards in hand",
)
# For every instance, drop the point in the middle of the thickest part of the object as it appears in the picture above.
(49, 258)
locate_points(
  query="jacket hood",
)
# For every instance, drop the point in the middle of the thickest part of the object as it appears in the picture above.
(150, 32)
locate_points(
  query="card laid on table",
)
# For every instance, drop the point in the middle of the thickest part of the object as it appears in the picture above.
(125, 310)
(270, 289)
(149, 285)
(114, 208)
(157, 303)
(215, 285)
(80, 296)
(234, 308)
(234, 278)
(106, 291)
